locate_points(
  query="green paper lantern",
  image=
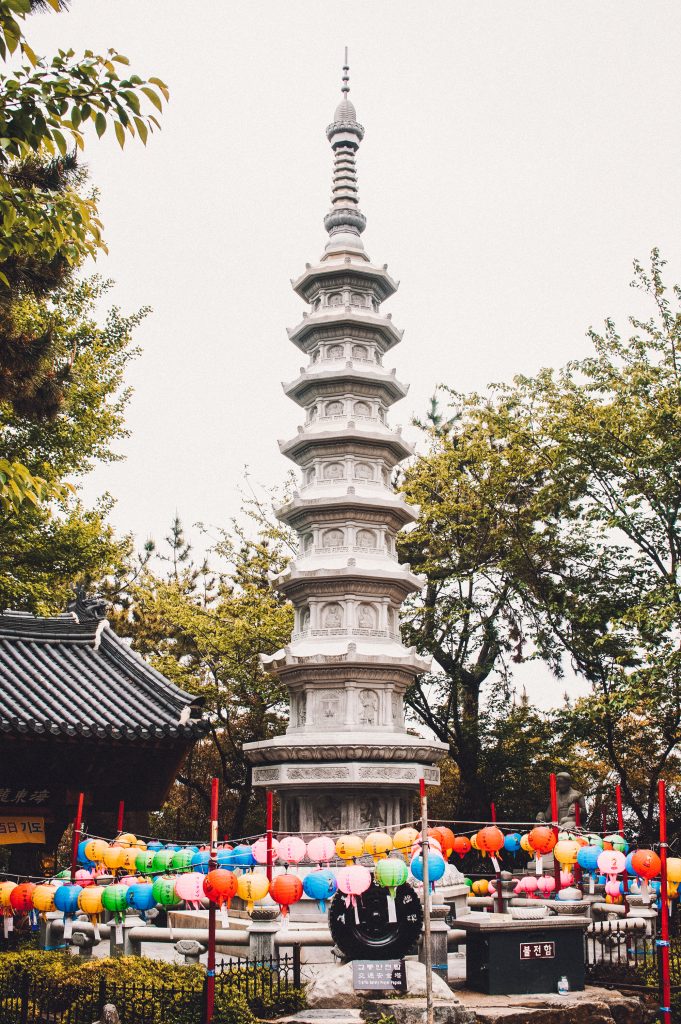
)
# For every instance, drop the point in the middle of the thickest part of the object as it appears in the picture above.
(162, 859)
(114, 898)
(144, 861)
(182, 860)
(391, 872)
(164, 892)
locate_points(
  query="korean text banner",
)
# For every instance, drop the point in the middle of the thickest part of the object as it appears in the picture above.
(21, 828)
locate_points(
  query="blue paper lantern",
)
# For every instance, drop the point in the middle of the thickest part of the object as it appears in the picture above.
(436, 866)
(155, 845)
(512, 842)
(81, 856)
(587, 857)
(66, 898)
(243, 856)
(226, 859)
(140, 896)
(628, 866)
(320, 886)
(201, 862)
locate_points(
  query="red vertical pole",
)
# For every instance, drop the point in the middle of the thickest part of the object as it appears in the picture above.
(578, 823)
(663, 942)
(620, 827)
(493, 812)
(554, 817)
(121, 812)
(270, 858)
(77, 825)
(212, 863)
(427, 950)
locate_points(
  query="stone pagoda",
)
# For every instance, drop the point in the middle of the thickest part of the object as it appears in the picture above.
(346, 760)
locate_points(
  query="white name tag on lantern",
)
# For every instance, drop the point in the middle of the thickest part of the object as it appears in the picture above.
(495, 864)
(392, 911)
(538, 866)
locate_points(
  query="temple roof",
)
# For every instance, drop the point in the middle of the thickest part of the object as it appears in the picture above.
(71, 676)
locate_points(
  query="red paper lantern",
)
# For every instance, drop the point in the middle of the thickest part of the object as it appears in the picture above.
(21, 898)
(220, 886)
(462, 845)
(542, 839)
(490, 839)
(447, 840)
(645, 863)
(285, 890)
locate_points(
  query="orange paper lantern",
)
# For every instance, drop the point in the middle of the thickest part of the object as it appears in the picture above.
(285, 890)
(542, 839)
(490, 839)
(462, 845)
(646, 864)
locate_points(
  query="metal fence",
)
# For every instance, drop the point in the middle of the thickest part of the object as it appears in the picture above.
(263, 983)
(628, 960)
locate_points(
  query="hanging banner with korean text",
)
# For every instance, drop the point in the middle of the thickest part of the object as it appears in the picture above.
(21, 828)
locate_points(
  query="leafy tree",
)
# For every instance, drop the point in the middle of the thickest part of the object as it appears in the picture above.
(44, 551)
(205, 628)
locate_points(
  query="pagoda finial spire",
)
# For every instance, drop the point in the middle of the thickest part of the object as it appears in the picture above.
(345, 221)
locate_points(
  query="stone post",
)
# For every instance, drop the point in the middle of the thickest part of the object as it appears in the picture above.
(438, 940)
(264, 926)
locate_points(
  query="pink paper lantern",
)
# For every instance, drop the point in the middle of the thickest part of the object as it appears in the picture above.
(612, 888)
(259, 850)
(292, 849)
(566, 879)
(546, 884)
(189, 887)
(128, 880)
(611, 863)
(529, 884)
(353, 881)
(84, 878)
(321, 850)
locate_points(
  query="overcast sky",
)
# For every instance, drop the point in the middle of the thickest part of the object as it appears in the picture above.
(517, 157)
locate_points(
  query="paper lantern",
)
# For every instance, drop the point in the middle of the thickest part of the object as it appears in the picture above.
(595, 840)
(525, 843)
(674, 870)
(220, 886)
(390, 873)
(404, 840)
(292, 849)
(587, 857)
(66, 898)
(529, 884)
(287, 889)
(140, 896)
(155, 845)
(83, 877)
(612, 888)
(322, 885)
(436, 867)
(480, 887)
(378, 845)
(144, 861)
(474, 842)
(172, 847)
(321, 850)
(352, 882)
(226, 858)
(349, 848)
(200, 862)
(545, 885)
(90, 900)
(126, 839)
(446, 840)
(566, 879)
(565, 851)
(611, 862)
(243, 856)
(542, 840)
(81, 857)
(43, 898)
(259, 850)
(252, 886)
(646, 864)
(113, 857)
(490, 839)
(181, 860)
(114, 899)
(163, 889)
(162, 860)
(462, 845)
(512, 842)
(189, 887)
(21, 898)
(95, 850)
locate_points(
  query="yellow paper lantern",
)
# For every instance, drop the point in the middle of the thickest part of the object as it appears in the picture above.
(481, 887)
(90, 900)
(566, 852)
(474, 842)
(43, 898)
(378, 845)
(129, 858)
(404, 840)
(525, 843)
(95, 850)
(113, 857)
(349, 848)
(126, 839)
(252, 886)
(6, 889)
(674, 869)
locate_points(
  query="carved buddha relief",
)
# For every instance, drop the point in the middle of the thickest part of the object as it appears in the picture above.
(329, 704)
(334, 471)
(332, 616)
(362, 409)
(333, 539)
(366, 616)
(310, 475)
(366, 539)
(336, 299)
(363, 471)
(360, 352)
(356, 299)
(305, 618)
(368, 707)
(335, 352)
(334, 409)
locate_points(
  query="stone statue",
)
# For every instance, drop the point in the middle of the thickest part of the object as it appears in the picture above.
(327, 815)
(371, 813)
(333, 616)
(568, 799)
(366, 617)
(368, 700)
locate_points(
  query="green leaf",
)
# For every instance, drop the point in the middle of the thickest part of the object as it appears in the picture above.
(151, 95)
(142, 129)
(100, 124)
(120, 133)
